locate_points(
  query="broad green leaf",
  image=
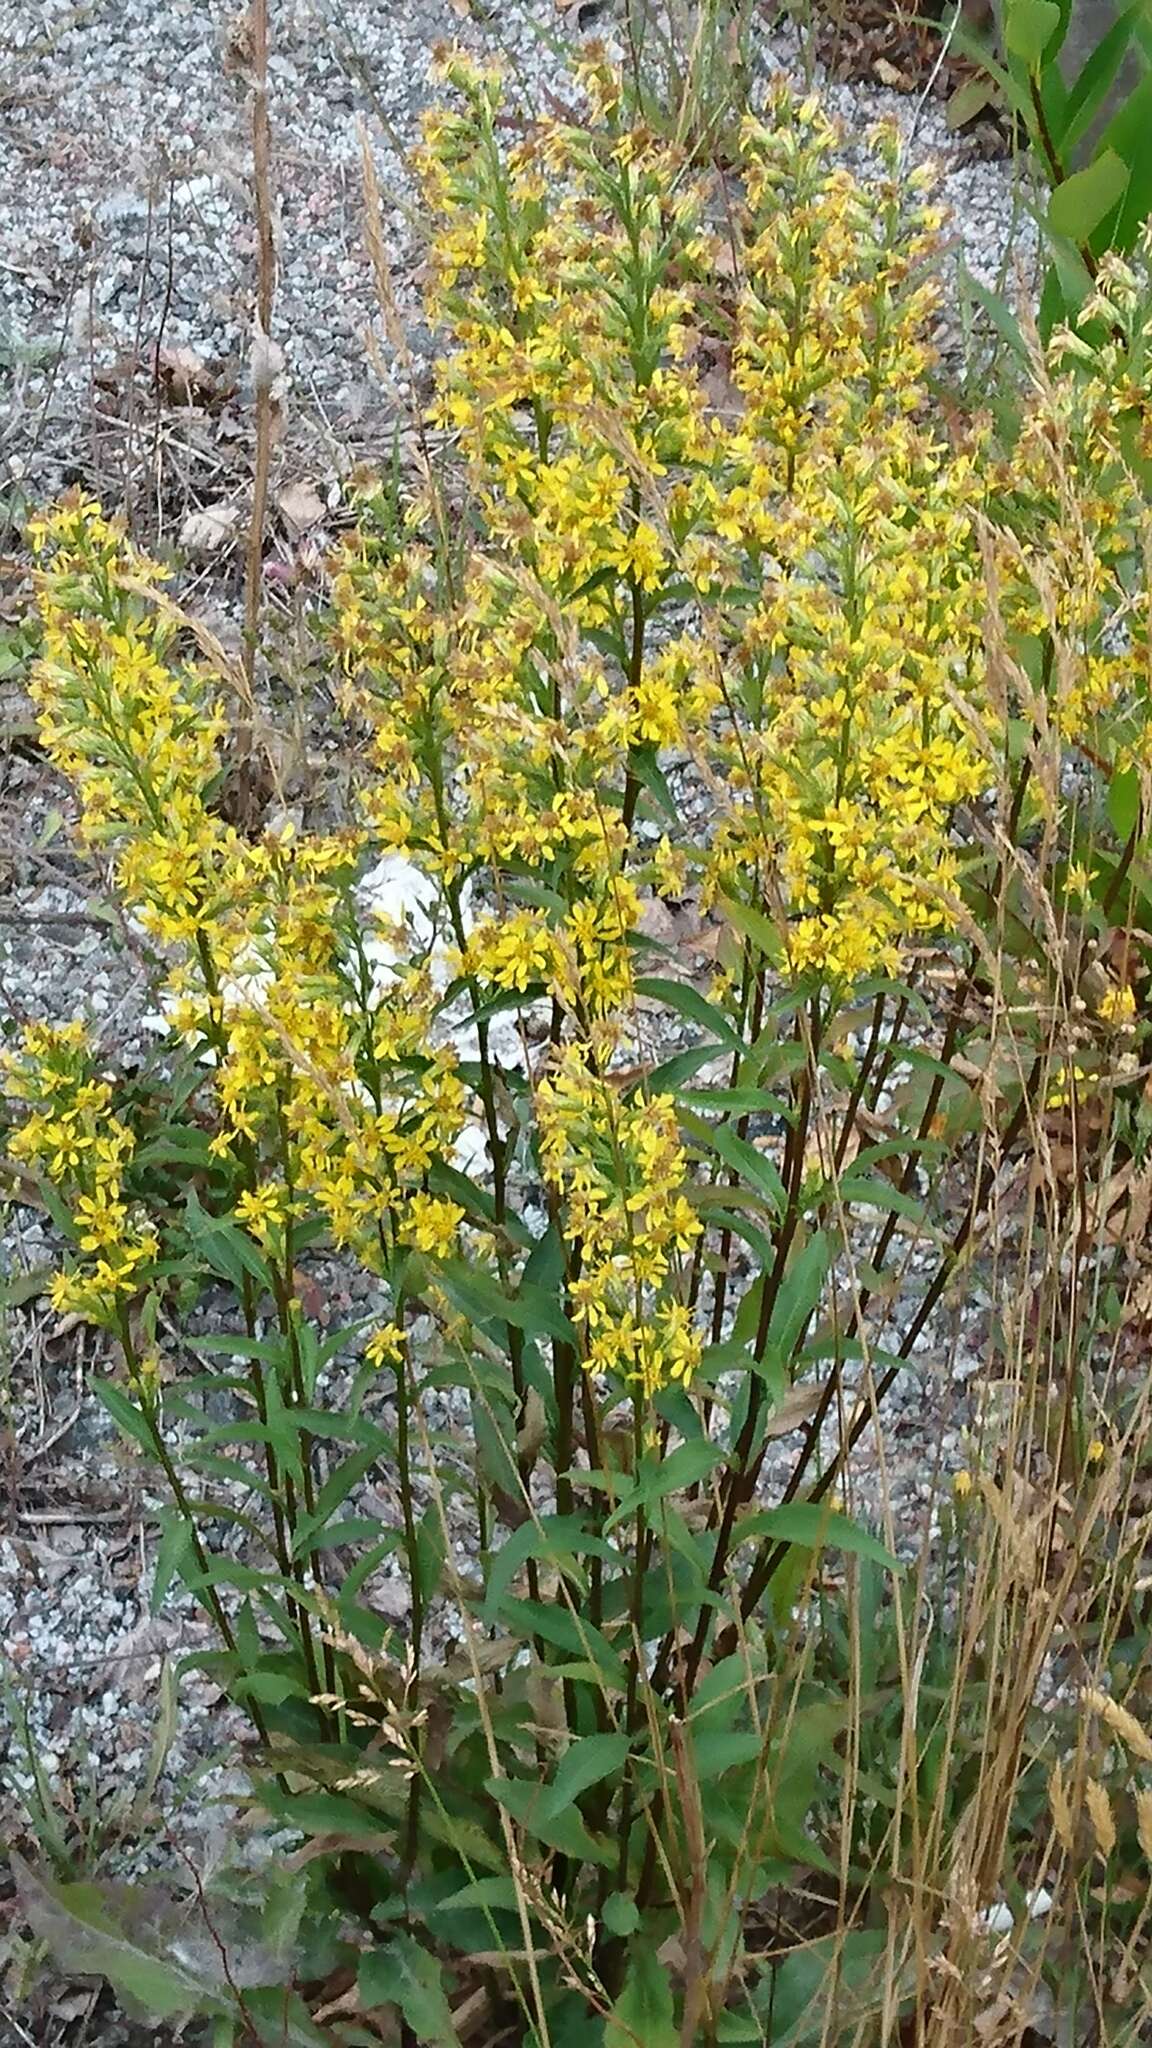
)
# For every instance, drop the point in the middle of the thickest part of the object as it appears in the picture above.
(178, 1145)
(642, 2016)
(620, 1914)
(584, 1763)
(1029, 27)
(428, 1562)
(1127, 134)
(224, 1247)
(23, 1287)
(752, 924)
(848, 1969)
(156, 1977)
(1124, 802)
(715, 1752)
(482, 1298)
(491, 1894)
(564, 1831)
(573, 1632)
(1078, 206)
(327, 1813)
(406, 1975)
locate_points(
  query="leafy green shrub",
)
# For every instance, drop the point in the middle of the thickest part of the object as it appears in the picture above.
(1088, 129)
(707, 613)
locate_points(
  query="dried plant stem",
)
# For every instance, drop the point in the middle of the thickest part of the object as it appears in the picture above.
(263, 375)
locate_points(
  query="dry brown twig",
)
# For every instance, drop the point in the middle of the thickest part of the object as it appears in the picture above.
(266, 360)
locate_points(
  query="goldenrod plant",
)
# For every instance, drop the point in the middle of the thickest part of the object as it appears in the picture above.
(698, 606)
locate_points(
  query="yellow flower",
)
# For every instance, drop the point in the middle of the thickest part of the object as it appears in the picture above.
(385, 1347)
(1118, 1004)
(264, 1211)
(431, 1223)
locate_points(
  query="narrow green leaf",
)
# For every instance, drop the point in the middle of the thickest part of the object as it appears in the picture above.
(564, 1831)
(814, 1527)
(873, 1191)
(688, 1002)
(667, 1078)
(326, 1813)
(332, 1495)
(558, 1538)
(175, 1544)
(571, 1632)
(125, 1414)
(491, 1894)
(798, 1299)
(683, 1467)
(1091, 86)
(481, 1297)
(752, 924)
(751, 1166)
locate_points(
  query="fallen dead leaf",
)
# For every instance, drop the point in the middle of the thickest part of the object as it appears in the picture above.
(794, 1407)
(183, 377)
(209, 530)
(301, 506)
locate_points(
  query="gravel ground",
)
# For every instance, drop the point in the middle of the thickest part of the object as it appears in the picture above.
(126, 232)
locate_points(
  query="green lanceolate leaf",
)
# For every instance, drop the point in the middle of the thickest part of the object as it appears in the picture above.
(585, 1762)
(1030, 27)
(480, 1296)
(1091, 86)
(556, 1539)
(812, 1526)
(687, 1001)
(175, 1547)
(686, 1466)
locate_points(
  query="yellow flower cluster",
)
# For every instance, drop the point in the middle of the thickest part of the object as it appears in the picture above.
(621, 1169)
(136, 733)
(317, 1056)
(846, 726)
(829, 681)
(703, 539)
(1074, 524)
(71, 1133)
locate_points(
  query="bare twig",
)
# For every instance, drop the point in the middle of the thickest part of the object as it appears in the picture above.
(263, 354)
